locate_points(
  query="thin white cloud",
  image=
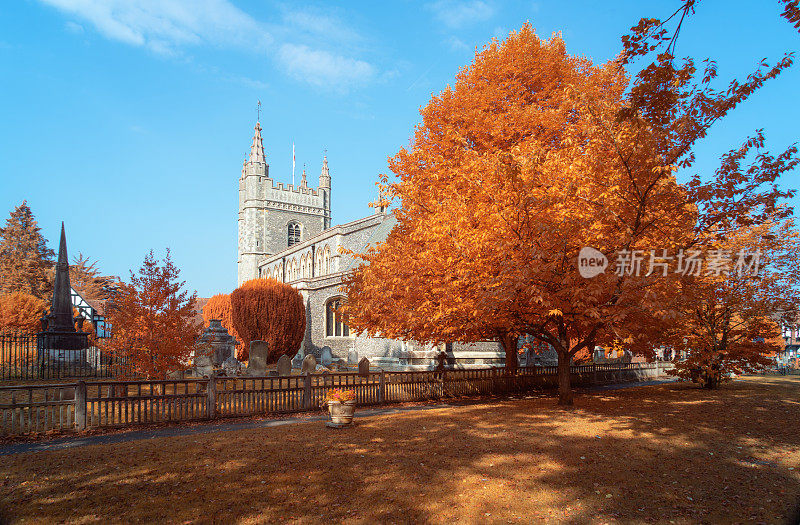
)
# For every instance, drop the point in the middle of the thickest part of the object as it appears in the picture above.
(456, 44)
(457, 14)
(72, 27)
(170, 27)
(320, 25)
(322, 68)
(165, 26)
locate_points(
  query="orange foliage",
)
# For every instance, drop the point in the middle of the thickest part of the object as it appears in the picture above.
(152, 319)
(21, 312)
(219, 307)
(24, 255)
(532, 155)
(512, 171)
(731, 322)
(266, 310)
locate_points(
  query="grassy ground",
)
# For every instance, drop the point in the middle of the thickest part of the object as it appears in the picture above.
(670, 453)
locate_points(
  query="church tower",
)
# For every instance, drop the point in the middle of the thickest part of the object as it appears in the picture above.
(274, 216)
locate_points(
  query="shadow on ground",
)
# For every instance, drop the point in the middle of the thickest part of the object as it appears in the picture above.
(670, 453)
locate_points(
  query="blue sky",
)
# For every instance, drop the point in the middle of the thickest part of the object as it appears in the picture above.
(129, 119)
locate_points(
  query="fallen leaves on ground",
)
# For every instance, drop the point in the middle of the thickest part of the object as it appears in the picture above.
(670, 453)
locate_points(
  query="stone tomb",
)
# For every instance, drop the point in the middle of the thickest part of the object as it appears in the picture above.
(203, 363)
(231, 366)
(363, 367)
(257, 362)
(309, 364)
(220, 342)
(284, 366)
(326, 356)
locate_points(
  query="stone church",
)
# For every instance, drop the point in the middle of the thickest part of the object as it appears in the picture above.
(285, 233)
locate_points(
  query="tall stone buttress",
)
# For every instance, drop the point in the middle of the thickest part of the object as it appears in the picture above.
(274, 215)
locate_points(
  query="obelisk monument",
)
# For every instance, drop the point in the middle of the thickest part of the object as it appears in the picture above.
(60, 339)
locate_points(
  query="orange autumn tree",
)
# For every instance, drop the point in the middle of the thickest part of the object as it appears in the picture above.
(531, 156)
(219, 307)
(730, 318)
(21, 313)
(267, 310)
(512, 171)
(730, 310)
(85, 277)
(152, 319)
(25, 259)
(725, 322)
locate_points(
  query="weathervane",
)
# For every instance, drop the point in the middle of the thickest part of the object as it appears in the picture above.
(258, 112)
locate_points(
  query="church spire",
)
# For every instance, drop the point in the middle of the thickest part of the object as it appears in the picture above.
(257, 147)
(325, 174)
(303, 181)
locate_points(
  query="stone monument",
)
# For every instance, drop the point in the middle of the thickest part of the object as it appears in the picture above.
(202, 364)
(284, 366)
(363, 367)
(309, 364)
(231, 366)
(326, 356)
(220, 343)
(257, 362)
(59, 340)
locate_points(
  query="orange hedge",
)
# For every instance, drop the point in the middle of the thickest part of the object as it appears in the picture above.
(264, 309)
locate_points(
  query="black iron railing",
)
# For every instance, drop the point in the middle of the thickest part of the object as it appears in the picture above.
(22, 359)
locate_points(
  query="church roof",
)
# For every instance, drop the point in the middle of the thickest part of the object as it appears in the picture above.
(380, 224)
(378, 234)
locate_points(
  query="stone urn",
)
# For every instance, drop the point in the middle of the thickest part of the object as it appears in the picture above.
(341, 412)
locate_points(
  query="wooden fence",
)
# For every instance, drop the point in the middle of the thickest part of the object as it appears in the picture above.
(27, 409)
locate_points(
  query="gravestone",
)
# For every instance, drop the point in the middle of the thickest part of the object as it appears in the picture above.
(284, 366)
(297, 360)
(231, 366)
(257, 362)
(352, 357)
(326, 356)
(309, 364)
(363, 367)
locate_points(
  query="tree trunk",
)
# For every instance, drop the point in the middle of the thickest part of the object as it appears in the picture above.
(509, 344)
(564, 384)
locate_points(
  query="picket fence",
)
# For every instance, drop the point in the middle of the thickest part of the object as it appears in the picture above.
(34, 408)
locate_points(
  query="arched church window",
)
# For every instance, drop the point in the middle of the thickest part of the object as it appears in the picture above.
(294, 233)
(326, 260)
(335, 320)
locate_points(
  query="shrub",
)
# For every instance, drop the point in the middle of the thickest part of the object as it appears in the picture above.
(264, 309)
